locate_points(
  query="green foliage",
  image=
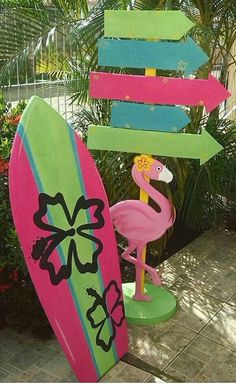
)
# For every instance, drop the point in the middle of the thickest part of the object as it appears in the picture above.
(10, 252)
(201, 197)
(210, 189)
(30, 27)
(204, 193)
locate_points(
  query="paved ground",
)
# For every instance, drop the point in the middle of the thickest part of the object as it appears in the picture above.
(197, 345)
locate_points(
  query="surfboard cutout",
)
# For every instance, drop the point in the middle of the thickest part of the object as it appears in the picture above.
(61, 214)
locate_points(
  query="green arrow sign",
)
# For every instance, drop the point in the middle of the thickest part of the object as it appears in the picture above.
(169, 25)
(191, 146)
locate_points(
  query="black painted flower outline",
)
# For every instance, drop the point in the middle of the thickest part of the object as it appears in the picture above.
(102, 301)
(43, 248)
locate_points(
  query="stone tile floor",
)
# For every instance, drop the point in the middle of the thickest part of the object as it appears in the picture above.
(197, 345)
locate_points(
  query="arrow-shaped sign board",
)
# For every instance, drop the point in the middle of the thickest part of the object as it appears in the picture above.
(170, 25)
(148, 117)
(158, 90)
(191, 146)
(185, 56)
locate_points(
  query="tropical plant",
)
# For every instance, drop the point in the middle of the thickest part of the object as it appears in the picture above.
(199, 197)
(16, 288)
(209, 193)
(11, 256)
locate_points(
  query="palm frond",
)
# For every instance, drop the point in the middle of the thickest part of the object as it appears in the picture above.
(210, 189)
(30, 27)
(74, 9)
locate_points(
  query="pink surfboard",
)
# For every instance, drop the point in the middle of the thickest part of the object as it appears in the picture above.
(61, 214)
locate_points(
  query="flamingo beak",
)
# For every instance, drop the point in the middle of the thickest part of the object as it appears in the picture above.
(165, 175)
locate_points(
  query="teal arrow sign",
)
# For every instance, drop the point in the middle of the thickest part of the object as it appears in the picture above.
(185, 56)
(148, 117)
(186, 145)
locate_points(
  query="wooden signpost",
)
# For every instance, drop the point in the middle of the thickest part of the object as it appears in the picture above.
(144, 117)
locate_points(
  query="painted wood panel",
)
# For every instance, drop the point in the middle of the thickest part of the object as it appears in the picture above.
(170, 25)
(185, 56)
(62, 219)
(148, 117)
(158, 90)
(192, 146)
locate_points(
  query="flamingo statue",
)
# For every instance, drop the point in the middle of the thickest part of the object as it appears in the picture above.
(140, 223)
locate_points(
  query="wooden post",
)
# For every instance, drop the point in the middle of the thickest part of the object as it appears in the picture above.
(143, 196)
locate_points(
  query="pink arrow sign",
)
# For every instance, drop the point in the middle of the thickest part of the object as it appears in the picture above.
(159, 90)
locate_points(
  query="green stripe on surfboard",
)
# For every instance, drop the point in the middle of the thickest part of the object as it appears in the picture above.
(63, 178)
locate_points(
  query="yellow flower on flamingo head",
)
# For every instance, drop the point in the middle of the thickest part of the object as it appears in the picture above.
(143, 162)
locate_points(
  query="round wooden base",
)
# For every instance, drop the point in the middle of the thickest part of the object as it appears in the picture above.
(161, 308)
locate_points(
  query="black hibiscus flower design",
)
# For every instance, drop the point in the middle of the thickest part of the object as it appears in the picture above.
(101, 318)
(43, 247)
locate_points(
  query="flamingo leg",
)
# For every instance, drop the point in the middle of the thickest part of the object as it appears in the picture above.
(139, 295)
(126, 254)
(140, 265)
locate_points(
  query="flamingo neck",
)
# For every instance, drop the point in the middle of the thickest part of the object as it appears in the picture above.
(153, 193)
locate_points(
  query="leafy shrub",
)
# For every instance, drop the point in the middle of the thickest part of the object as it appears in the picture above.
(11, 257)
(13, 270)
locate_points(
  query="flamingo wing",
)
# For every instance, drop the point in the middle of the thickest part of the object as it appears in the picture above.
(134, 219)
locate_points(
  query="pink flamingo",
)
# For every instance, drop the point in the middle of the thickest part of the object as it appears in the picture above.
(140, 223)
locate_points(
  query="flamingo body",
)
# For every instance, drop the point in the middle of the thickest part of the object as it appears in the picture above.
(136, 220)
(140, 223)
